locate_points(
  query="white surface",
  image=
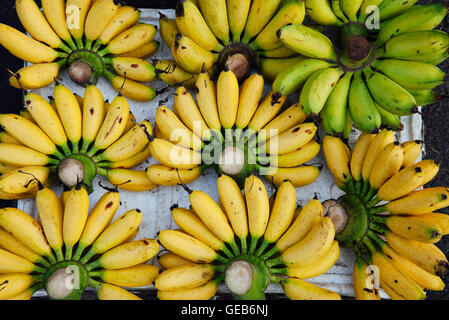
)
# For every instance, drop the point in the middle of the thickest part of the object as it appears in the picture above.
(155, 204)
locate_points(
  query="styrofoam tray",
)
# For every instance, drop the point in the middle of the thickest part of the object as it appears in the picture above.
(156, 204)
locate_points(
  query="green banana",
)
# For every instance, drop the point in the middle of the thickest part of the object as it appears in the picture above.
(393, 8)
(390, 95)
(389, 120)
(307, 41)
(361, 105)
(292, 79)
(334, 114)
(411, 74)
(317, 89)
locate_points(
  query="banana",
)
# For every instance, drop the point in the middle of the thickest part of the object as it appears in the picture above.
(26, 230)
(187, 246)
(26, 48)
(299, 176)
(387, 164)
(106, 291)
(137, 276)
(377, 144)
(15, 283)
(292, 79)
(191, 23)
(249, 97)
(322, 13)
(337, 158)
(206, 95)
(134, 141)
(115, 234)
(70, 114)
(409, 227)
(184, 277)
(227, 98)
(168, 176)
(291, 139)
(234, 205)
(47, 119)
(126, 255)
(172, 74)
(27, 134)
(93, 115)
(205, 292)
(297, 289)
(271, 67)
(144, 51)
(317, 89)
(425, 17)
(258, 208)
(216, 16)
(364, 281)
(267, 110)
(129, 88)
(395, 279)
(125, 17)
(55, 12)
(99, 217)
(307, 41)
(391, 9)
(170, 260)
(36, 76)
(260, 14)
(36, 24)
(173, 155)
(336, 107)
(51, 213)
(425, 255)
(361, 106)
(130, 39)
(76, 13)
(187, 110)
(401, 184)
(420, 201)
(113, 125)
(350, 8)
(314, 269)
(19, 156)
(97, 19)
(12, 263)
(238, 11)
(292, 11)
(76, 210)
(127, 179)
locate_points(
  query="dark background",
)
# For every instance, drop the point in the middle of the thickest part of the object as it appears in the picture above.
(436, 116)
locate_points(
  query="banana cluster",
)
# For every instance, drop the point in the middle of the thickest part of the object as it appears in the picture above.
(247, 241)
(383, 66)
(386, 216)
(72, 139)
(233, 130)
(70, 248)
(91, 38)
(224, 34)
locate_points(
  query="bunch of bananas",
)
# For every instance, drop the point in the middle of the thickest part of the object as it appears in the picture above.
(71, 249)
(225, 34)
(247, 241)
(378, 71)
(90, 38)
(386, 217)
(72, 139)
(233, 131)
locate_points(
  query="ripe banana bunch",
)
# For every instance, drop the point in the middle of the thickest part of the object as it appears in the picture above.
(385, 66)
(89, 38)
(71, 139)
(71, 248)
(227, 34)
(234, 130)
(387, 217)
(246, 242)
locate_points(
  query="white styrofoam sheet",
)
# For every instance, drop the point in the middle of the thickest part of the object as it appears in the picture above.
(156, 204)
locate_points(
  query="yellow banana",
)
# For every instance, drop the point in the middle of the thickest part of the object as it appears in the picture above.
(291, 139)
(238, 11)
(378, 143)
(76, 13)
(106, 291)
(23, 180)
(205, 292)
(131, 180)
(259, 15)
(168, 176)
(249, 97)
(297, 157)
(51, 213)
(227, 98)
(36, 76)
(299, 176)
(137, 276)
(55, 12)
(15, 283)
(337, 158)
(171, 260)
(125, 17)
(184, 277)
(127, 255)
(401, 184)
(192, 24)
(297, 289)
(98, 17)
(387, 164)
(412, 150)
(76, 210)
(268, 108)
(216, 16)
(206, 95)
(420, 201)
